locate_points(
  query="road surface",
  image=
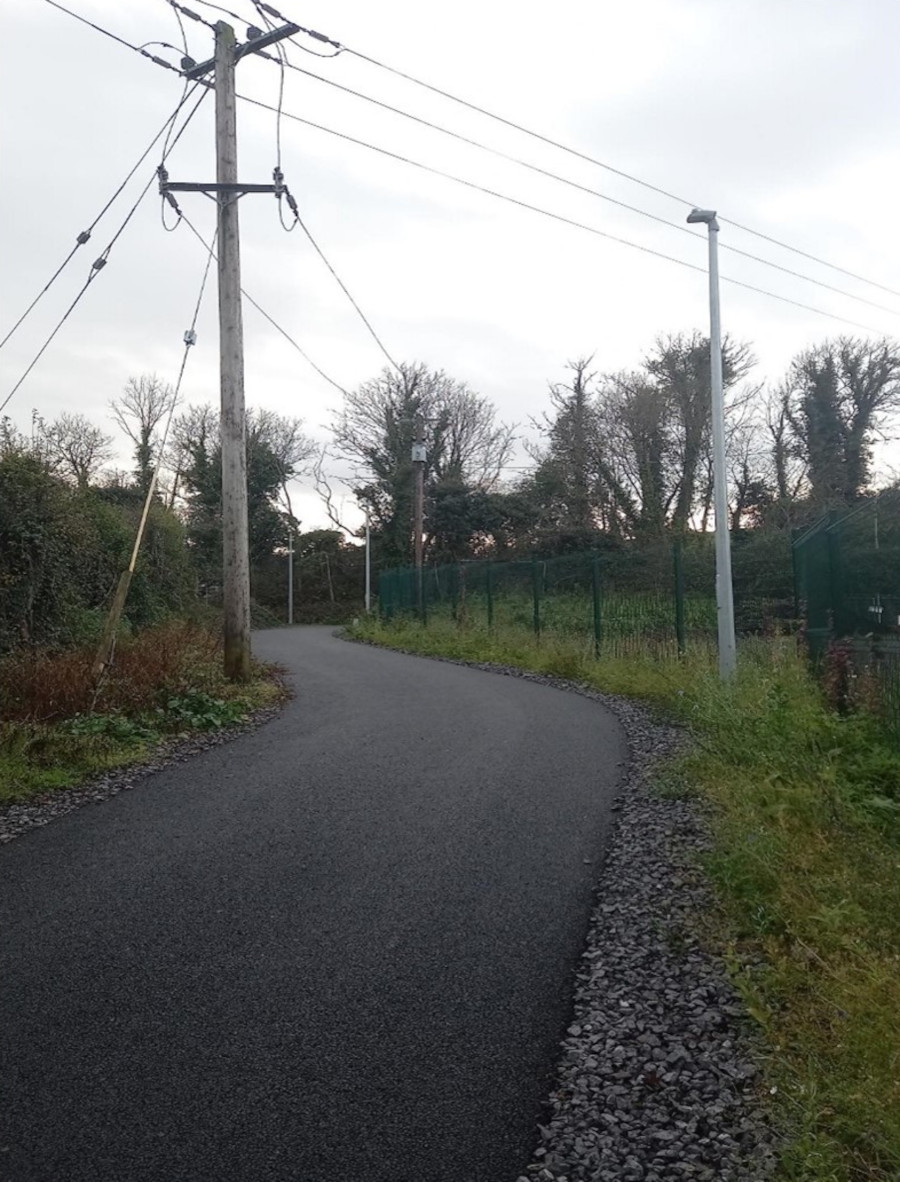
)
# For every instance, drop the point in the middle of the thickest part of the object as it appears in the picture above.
(338, 949)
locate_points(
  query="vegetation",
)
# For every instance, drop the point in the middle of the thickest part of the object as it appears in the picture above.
(802, 784)
(60, 727)
(804, 805)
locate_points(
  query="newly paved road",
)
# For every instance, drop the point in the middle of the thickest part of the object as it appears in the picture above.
(339, 948)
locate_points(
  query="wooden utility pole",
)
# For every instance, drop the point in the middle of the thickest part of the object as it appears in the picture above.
(235, 528)
(418, 458)
(227, 191)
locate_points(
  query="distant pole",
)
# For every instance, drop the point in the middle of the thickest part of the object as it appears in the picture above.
(368, 565)
(536, 595)
(418, 458)
(724, 587)
(235, 529)
(291, 573)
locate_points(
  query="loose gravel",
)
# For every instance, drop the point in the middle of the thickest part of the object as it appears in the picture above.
(16, 819)
(657, 1080)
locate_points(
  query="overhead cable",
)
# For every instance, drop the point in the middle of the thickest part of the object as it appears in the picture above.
(556, 216)
(339, 48)
(115, 37)
(85, 235)
(250, 300)
(682, 229)
(99, 263)
(610, 168)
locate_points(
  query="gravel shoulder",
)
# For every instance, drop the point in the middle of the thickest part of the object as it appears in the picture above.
(657, 1079)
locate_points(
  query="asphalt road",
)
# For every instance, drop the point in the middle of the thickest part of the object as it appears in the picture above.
(339, 948)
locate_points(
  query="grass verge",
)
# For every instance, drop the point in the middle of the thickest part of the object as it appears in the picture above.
(59, 728)
(805, 812)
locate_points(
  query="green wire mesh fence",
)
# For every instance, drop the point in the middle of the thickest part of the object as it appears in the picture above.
(622, 600)
(847, 569)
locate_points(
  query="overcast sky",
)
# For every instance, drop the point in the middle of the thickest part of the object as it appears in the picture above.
(781, 114)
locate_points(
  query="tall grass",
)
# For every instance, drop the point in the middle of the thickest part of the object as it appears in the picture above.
(805, 814)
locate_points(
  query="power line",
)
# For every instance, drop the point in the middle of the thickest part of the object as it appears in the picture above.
(567, 181)
(100, 263)
(593, 160)
(339, 48)
(114, 37)
(375, 337)
(609, 168)
(85, 235)
(250, 300)
(556, 216)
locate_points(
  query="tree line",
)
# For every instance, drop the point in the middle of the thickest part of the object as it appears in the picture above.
(621, 457)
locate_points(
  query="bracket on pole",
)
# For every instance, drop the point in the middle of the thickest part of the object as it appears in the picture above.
(197, 71)
(216, 187)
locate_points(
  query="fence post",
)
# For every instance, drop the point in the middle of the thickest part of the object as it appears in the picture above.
(835, 581)
(679, 595)
(536, 594)
(453, 588)
(489, 588)
(595, 595)
(424, 585)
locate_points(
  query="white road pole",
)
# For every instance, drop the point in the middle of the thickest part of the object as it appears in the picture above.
(724, 586)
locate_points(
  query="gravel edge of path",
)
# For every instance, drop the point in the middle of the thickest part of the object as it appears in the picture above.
(19, 817)
(657, 1079)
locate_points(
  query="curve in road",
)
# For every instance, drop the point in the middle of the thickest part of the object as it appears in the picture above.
(338, 948)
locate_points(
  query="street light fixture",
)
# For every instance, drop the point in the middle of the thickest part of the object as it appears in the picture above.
(724, 589)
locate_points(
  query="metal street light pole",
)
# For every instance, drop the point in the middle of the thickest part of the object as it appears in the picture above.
(724, 588)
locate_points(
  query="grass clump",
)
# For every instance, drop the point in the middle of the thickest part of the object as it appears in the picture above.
(59, 727)
(805, 813)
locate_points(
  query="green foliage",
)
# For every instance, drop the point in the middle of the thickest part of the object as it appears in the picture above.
(39, 759)
(61, 550)
(200, 711)
(113, 726)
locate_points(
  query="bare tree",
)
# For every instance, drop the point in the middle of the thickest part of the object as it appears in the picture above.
(292, 449)
(323, 483)
(143, 406)
(374, 430)
(680, 367)
(789, 470)
(76, 448)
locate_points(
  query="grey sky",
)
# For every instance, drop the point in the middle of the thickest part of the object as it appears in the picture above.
(782, 114)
